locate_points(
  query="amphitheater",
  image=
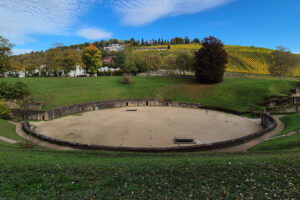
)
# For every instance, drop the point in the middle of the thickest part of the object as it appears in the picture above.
(144, 125)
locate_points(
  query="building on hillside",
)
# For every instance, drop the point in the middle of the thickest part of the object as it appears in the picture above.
(79, 71)
(18, 74)
(107, 60)
(296, 97)
(108, 69)
(114, 47)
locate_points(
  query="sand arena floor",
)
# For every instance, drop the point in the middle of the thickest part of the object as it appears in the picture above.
(147, 127)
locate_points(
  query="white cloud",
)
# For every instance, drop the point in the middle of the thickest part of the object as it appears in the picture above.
(21, 51)
(93, 33)
(140, 12)
(19, 18)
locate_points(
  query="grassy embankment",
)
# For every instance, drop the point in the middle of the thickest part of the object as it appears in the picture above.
(236, 94)
(291, 123)
(47, 174)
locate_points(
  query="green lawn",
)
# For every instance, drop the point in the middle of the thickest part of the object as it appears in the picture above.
(109, 175)
(236, 94)
(56, 92)
(8, 130)
(291, 123)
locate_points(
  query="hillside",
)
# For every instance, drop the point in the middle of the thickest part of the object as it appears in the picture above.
(236, 94)
(241, 58)
(268, 171)
(39, 173)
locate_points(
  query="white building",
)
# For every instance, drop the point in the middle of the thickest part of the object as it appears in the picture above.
(107, 69)
(77, 72)
(114, 47)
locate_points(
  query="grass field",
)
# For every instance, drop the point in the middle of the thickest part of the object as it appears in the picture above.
(291, 123)
(242, 59)
(48, 174)
(97, 175)
(266, 172)
(236, 94)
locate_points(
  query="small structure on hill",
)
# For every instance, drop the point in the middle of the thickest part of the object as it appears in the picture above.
(296, 97)
(107, 60)
(114, 47)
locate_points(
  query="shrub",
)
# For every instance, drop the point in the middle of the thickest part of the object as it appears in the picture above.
(4, 110)
(210, 61)
(126, 79)
(17, 90)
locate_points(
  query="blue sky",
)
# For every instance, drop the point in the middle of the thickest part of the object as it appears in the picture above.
(36, 24)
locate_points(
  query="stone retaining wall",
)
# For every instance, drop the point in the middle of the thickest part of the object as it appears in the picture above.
(78, 108)
(268, 123)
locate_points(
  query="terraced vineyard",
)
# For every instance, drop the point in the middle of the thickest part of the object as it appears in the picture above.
(242, 59)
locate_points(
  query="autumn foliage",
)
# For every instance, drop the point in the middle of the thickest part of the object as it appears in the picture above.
(92, 59)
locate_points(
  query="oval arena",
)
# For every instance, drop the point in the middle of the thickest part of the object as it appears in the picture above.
(144, 125)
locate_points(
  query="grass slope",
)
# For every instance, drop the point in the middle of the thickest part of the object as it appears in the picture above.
(237, 94)
(97, 175)
(8, 130)
(291, 123)
(57, 92)
(40, 173)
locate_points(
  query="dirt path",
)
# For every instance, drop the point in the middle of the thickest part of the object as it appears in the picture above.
(22, 134)
(244, 147)
(8, 140)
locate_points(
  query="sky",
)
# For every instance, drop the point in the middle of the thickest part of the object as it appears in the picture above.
(34, 25)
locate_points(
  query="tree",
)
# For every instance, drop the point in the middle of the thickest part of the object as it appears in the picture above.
(52, 63)
(187, 40)
(119, 59)
(170, 62)
(142, 42)
(32, 62)
(113, 41)
(71, 58)
(282, 62)
(210, 61)
(196, 41)
(139, 61)
(5, 51)
(4, 110)
(92, 59)
(184, 60)
(16, 67)
(154, 62)
(177, 40)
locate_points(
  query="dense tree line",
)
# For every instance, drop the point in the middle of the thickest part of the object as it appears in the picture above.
(61, 60)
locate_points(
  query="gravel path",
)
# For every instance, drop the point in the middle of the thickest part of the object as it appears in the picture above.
(244, 147)
(10, 141)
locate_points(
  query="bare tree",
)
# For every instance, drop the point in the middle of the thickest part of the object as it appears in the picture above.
(282, 62)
